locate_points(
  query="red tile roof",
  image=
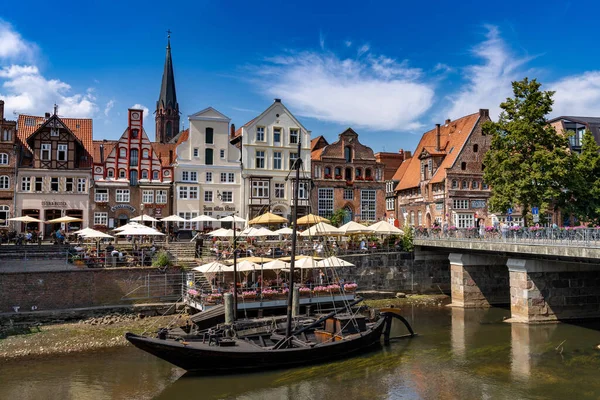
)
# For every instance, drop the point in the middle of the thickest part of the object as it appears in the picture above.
(163, 151)
(401, 170)
(109, 145)
(316, 154)
(452, 137)
(182, 137)
(82, 128)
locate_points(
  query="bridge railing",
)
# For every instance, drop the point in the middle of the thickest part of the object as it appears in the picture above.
(589, 237)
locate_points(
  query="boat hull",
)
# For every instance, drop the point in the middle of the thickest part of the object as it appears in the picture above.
(201, 358)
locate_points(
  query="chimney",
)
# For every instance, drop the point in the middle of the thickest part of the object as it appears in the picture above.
(401, 152)
(448, 121)
(170, 157)
(484, 112)
(1, 110)
(277, 100)
(437, 137)
(102, 153)
(232, 131)
(47, 115)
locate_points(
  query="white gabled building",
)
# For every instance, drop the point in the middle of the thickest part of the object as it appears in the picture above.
(269, 145)
(207, 169)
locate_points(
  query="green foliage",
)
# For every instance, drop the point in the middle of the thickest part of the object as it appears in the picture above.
(162, 259)
(407, 238)
(584, 196)
(529, 163)
(337, 219)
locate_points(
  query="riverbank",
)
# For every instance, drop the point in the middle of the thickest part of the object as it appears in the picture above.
(108, 331)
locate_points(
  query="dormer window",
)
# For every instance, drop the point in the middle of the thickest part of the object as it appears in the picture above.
(348, 154)
(121, 174)
(54, 132)
(155, 175)
(144, 174)
(454, 184)
(122, 152)
(463, 165)
(110, 173)
(145, 153)
(134, 133)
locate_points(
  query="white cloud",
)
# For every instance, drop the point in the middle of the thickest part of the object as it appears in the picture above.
(375, 92)
(363, 49)
(348, 43)
(577, 95)
(25, 90)
(489, 83)
(321, 41)
(108, 107)
(139, 106)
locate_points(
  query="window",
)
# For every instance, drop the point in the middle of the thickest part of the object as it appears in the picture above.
(209, 138)
(69, 184)
(337, 172)
(465, 184)
(134, 133)
(208, 178)
(420, 218)
(430, 166)
(189, 176)
(4, 182)
(145, 174)
(145, 153)
(227, 197)
(325, 202)
(122, 173)
(260, 159)
(223, 177)
(169, 127)
(327, 172)
(45, 151)
(188, 225)
(54, 132)
(101, 196)
(7, 135)
(133, 158)
(4, 215)
(39, 184)
(348, 194)
(475, 185)
(260, 189)
(122, 196)
(293, 135)
(367, 205)
(183, 192)
(110, 173)
(454, 184)
(348, 154)
(279, 190)
(485, 186)
(133, 177)
(3, 159)
(148, 196)
(348, 174)
(302, 191)
(358, 172)
(460, 204)
(155, 175)
(475, 148)
(389, 204)
(208, 156)
(317, 173)
(260, 133)
(412, 218)
(222, 153)
(463, 165)
(122, 152)
(368, 173)
(161, 197)
(277, 135)
(100, 218)
(196, 152)
(293, 158)
(465, 220)
(81, 185)
(231, 177)
(208, 196)
(54, 184)
(61, 152)
(277, 160)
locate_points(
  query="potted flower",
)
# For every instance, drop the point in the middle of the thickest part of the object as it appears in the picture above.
(251, 294)
(193, 292)
(350, 287)
(214, 298)
(269, 293)
(328, 176)
(369, 178)
(304, 291)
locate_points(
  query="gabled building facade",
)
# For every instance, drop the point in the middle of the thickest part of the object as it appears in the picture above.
(207, 170)
(443, 181)
(8, 168)
(131, 176)
(391, 163)
(269, 146)
(347, 176)
(54, 169)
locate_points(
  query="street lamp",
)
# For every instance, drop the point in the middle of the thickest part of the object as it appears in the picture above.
(142, 213)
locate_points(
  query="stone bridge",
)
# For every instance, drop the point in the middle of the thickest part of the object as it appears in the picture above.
(543, 278)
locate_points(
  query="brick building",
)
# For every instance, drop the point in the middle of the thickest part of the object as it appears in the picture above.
(347, 176)
(54, 169)
(443, 181)
(391, 162)
(8, 168)
(130, 176)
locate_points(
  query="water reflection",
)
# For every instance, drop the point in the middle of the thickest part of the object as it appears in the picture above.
(527, 343)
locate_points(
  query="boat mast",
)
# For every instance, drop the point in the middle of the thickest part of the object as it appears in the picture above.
(297, 165)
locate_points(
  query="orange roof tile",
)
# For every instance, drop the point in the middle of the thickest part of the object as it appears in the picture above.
(109, 145)
(401, 170)
(452, 138)
(82, 128)
(182, 137)
(163, 151)
(316, 154)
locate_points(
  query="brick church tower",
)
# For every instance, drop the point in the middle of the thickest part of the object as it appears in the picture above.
(167, 108)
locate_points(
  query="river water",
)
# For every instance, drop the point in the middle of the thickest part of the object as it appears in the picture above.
(459, 354)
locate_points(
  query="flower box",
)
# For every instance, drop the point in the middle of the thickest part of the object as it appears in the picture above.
(338, 177)
(327, 176)
(369, 178)
(304, 291)
(358, 178)
(269, 294)
(249, 295)
(350, 287)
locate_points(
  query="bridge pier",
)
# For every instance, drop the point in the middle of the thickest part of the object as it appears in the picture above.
(478, 280)
(547, 291)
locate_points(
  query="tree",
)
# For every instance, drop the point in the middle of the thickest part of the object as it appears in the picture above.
(528, 163)
(407, 238)
(584, 196)
(337, 219)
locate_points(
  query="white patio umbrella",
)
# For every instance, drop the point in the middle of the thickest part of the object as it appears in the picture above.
(96, 235)
(145, 218)
(333, 261)
(213, 267)
(222, 232)
(276, 265)
(246, 266)
(146, 231)
(128, 226)
(265, 232)
(354, 227)
(233, 218)
(306, 263)
(321, 229)
(284, 231)
(249, 232)
(84, 231)
(385, 228)
(203, 218)
(25, 218)
(66, 219)
(172, 218)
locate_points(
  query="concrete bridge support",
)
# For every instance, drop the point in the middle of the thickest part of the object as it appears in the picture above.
(478, 280)
(546, 291)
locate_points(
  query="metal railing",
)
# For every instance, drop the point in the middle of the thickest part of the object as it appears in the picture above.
(582, 237)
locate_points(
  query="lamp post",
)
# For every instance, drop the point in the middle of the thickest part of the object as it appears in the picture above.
(142, 213)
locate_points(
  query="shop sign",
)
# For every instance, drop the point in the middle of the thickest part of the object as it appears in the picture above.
(218, 208)
(122, 207)
(54, 203)
(158, 212)
(477, 203)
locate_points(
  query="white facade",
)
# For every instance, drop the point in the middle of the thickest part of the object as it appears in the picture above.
(207, 169)
(269, 144)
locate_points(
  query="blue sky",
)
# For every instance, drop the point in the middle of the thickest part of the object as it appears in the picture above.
(390, 70)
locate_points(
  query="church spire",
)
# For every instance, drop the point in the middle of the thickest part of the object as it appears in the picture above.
(167, 108)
